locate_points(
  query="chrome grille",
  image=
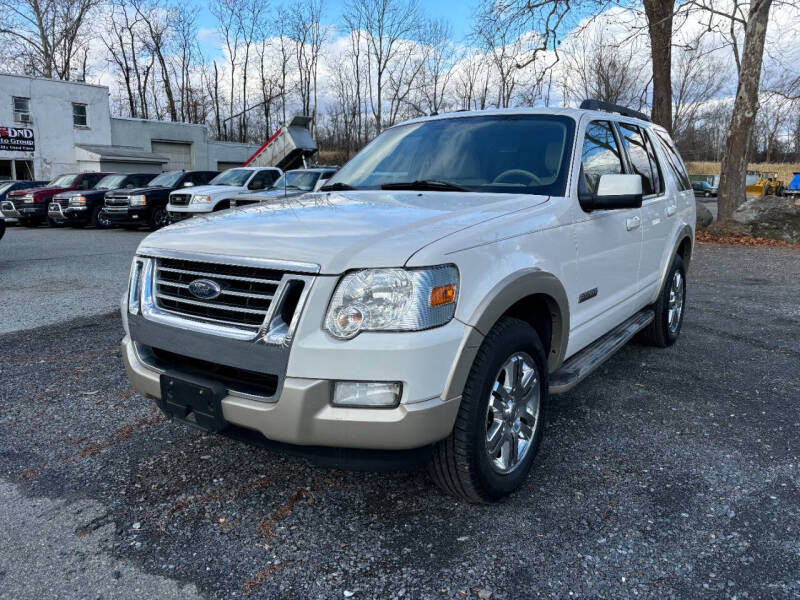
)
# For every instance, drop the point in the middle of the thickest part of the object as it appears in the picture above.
(117, 200)
(180, 199)
(245, 298)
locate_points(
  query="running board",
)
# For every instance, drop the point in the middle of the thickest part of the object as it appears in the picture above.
(582, 364)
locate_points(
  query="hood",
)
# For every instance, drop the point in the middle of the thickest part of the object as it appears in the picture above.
(208, 189)
(142, 190)
(73, 193)
(39, 190)
(338, 231)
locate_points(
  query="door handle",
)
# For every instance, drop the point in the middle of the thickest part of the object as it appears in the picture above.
(633, 223)
(671, 210)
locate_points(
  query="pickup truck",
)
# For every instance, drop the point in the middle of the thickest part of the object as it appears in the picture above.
(29, 206)
(217, 194)
(426, 304)
(292, 183)
(9, 186)
(147, 206)
(77, 209)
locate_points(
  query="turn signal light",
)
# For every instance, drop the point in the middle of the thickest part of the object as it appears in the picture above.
(444, 294)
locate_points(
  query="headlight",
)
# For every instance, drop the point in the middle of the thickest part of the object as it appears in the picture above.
(137, 200)
(392, 300)
(78, 201)
(201, 199)
(28, 199)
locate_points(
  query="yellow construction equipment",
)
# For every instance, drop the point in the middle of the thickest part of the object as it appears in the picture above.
(764, 183)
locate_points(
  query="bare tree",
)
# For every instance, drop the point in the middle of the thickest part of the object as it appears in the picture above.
(698, 76)
(156, 19)
(596, 67)
(51, 35)
(384, 24)
(732, 20)
(308, 34)
(437, 69)
(228, 15)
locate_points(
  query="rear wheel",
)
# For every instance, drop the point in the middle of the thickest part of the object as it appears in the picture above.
(669, 309)
(499, 423)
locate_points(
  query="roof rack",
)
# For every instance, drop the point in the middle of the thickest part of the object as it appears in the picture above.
(589, 104)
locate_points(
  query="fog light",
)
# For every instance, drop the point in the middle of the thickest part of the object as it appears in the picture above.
(366, 394)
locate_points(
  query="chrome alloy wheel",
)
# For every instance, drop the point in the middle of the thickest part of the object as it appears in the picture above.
(512, 416)
(675, 305)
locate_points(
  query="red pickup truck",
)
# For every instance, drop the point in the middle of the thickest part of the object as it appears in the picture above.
(30, 205)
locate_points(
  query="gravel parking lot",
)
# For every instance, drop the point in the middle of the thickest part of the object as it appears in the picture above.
(668, 473)
(51, 275)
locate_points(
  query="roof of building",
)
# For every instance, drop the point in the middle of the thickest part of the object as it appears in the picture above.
(121, 154)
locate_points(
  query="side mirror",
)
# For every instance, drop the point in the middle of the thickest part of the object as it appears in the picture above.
(188, 184)
(613, 192)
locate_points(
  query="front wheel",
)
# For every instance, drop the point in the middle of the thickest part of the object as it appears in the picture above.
(158, 217)
(99, 218)
(499, 424)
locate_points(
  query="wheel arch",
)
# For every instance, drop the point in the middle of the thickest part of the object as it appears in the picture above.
(532, 295)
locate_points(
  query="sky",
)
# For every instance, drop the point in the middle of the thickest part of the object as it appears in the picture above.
(457, 12)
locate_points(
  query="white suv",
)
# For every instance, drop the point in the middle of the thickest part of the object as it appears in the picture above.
(425, 304)
(217, 194)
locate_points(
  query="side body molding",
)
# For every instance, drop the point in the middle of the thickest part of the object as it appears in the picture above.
(510, 290)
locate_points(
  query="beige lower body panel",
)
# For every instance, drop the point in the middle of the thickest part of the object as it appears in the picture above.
(304, 415)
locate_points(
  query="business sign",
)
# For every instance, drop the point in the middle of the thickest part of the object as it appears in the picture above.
(18, 139)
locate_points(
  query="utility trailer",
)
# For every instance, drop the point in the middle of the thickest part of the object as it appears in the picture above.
(289, 148)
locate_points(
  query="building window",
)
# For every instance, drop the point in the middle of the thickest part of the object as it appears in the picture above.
(79, 115)
(22, 110)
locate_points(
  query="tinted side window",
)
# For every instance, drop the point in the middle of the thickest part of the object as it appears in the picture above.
(600, 156)
(675, 161)
(260, 181)
(207, 176)
(643, 159)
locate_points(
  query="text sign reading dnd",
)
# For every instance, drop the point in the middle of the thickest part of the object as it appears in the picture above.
(16, 138)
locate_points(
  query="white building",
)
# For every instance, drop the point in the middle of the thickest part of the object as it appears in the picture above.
(48, 127)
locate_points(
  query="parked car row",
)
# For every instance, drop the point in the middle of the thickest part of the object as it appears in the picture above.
(133, 200)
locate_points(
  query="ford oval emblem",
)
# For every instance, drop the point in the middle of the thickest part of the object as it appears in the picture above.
(205, 289)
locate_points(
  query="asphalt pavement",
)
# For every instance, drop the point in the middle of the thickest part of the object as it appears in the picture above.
(667, 473)
(52, 275)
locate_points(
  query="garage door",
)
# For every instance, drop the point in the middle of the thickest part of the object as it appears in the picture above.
(223, 165)
(179, 154)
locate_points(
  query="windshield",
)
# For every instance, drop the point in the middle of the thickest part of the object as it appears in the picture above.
(297, 180)
(63, 181)
(505, 153)
(110, 182)
(234, 177)
(169, 179)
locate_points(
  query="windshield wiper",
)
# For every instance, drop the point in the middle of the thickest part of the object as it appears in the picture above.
(424, 184)
(334, 187)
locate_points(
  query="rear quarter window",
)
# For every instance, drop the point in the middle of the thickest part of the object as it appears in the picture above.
(674, 159)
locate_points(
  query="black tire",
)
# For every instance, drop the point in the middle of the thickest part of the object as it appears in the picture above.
(461, 465)
(158, 217)
(660, 333)
(224, 205)
(98, 220)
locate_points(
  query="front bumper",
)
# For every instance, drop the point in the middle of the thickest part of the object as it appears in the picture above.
(304, 415)
(67, 214)
(127, 215)
(176, 216)
(24, 211)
